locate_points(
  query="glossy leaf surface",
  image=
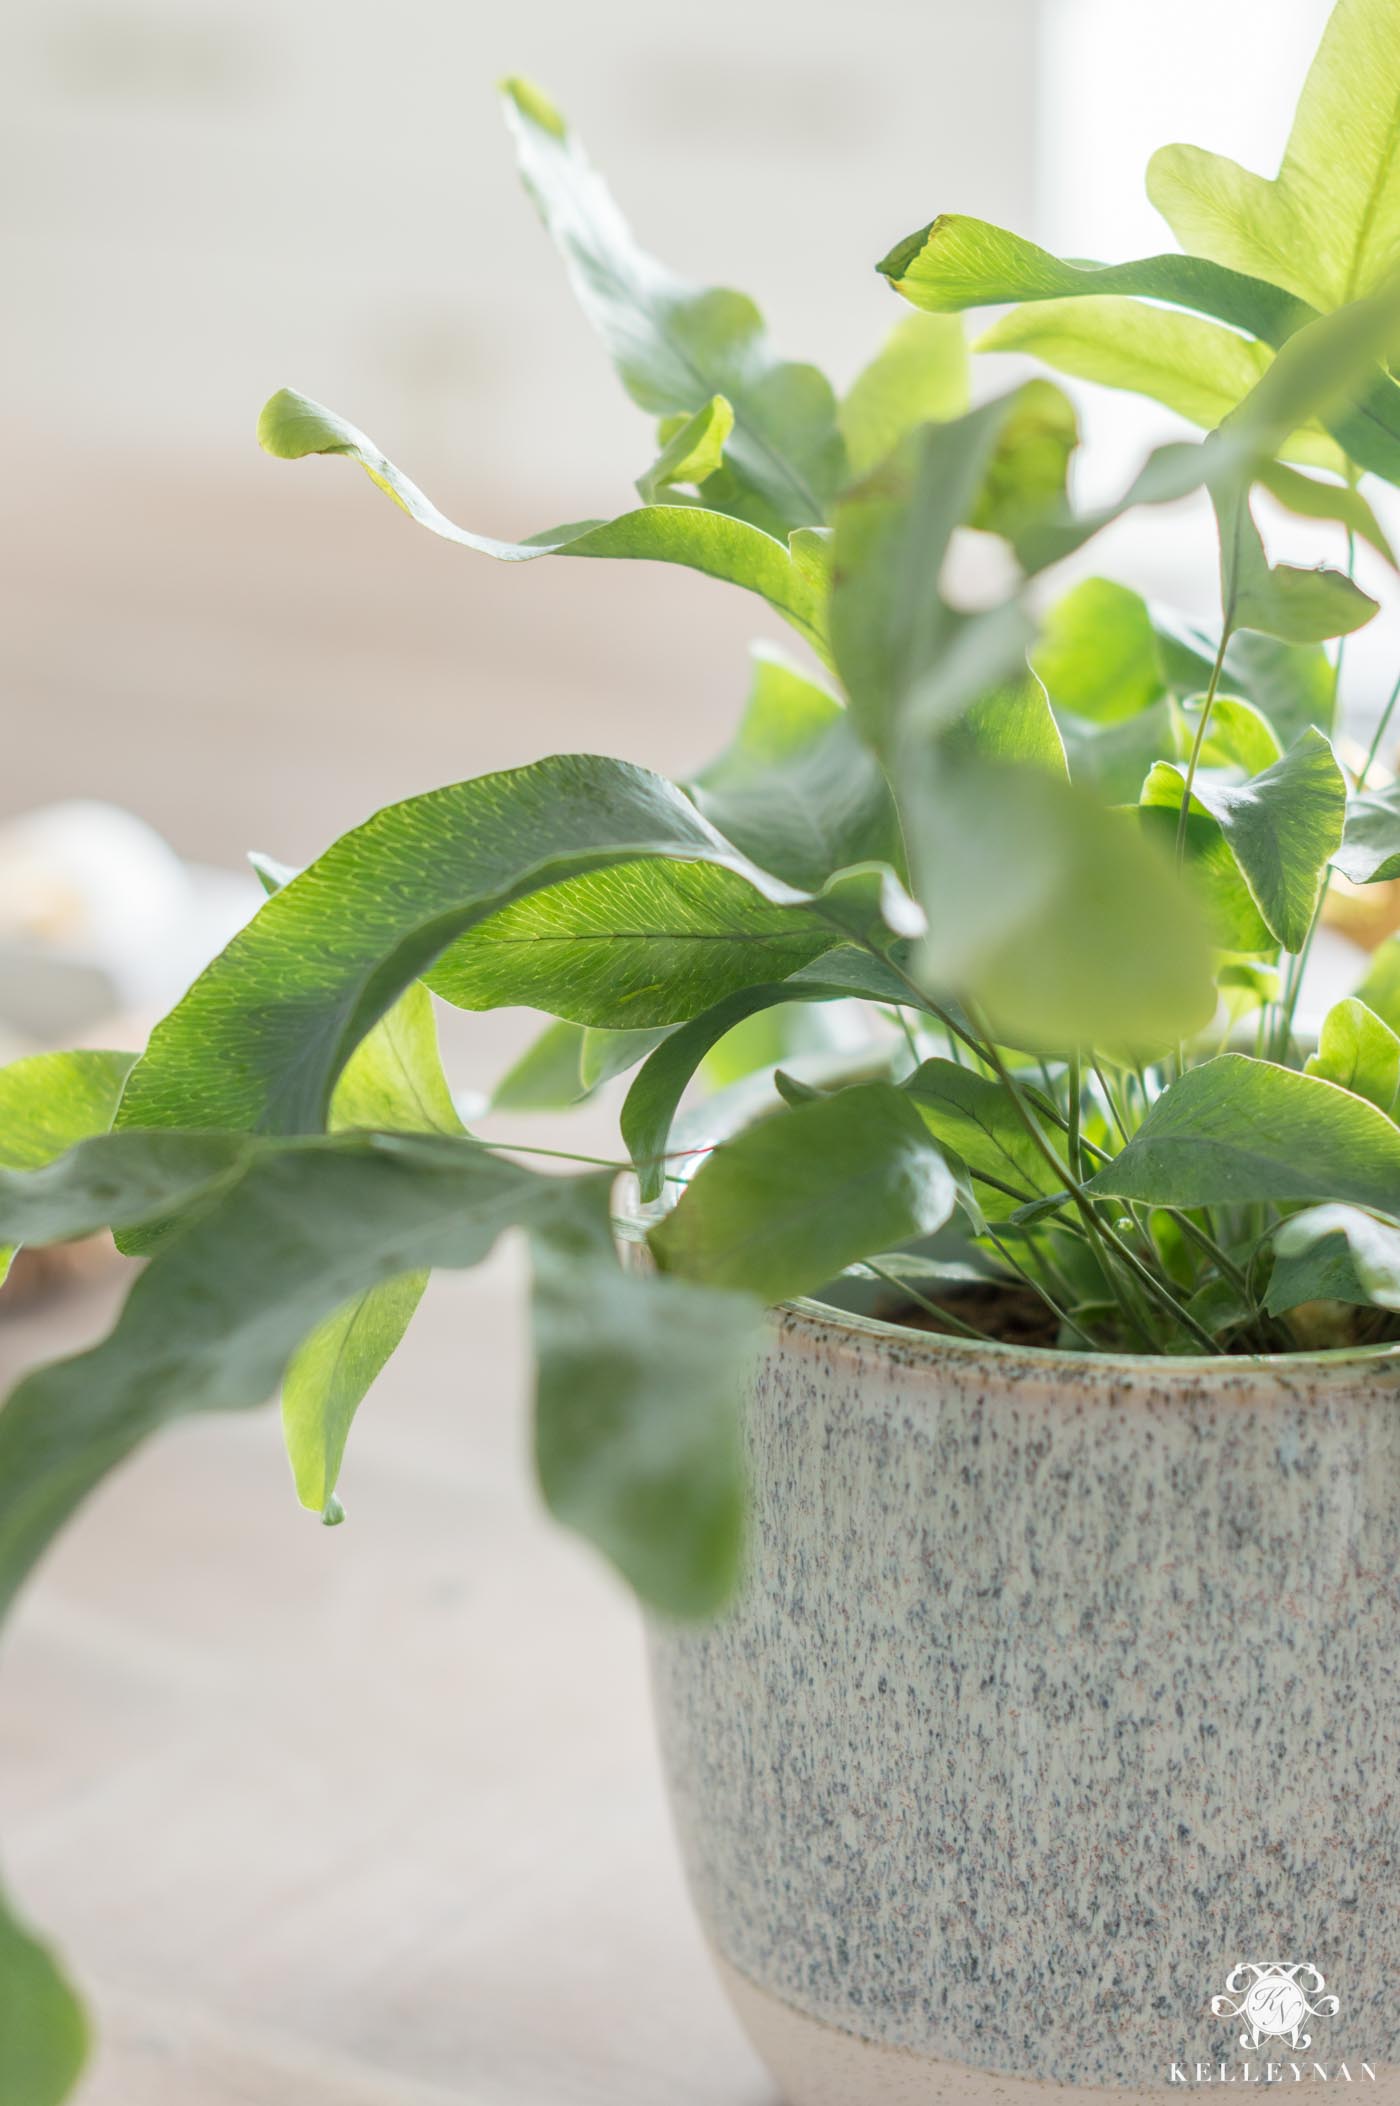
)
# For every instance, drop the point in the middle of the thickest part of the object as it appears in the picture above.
(655, 1096)
(1358, 1051)
(1239, 1130)
(1283, 827)
(795, 789)
(263, 1034)
(393, 1081)
(50, 1100)
(790, 1201)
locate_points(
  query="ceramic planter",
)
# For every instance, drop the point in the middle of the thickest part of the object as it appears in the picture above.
(1055, 1739)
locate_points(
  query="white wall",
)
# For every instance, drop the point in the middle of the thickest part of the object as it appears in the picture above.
(208, 198)
(1122, 77)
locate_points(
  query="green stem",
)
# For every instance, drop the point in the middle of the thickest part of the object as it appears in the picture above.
(1293, 986)
(1093, 1227)
(922, 1001)
(1061, 1315)
(1075, 1082)
(909, 1039)
(1381, 729)
(1198, 743)
(1207, 1243)
(1099, 1230)
(912, 1294)
(1108, 1097)
(565, 1155)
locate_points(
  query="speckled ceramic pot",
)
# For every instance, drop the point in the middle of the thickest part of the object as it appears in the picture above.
(1061, 1705)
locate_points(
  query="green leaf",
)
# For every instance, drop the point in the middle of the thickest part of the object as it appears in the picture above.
(214, 1318)
(1192, 366)
(1210, 865)
(261, 1037)
(394, 1081)
(43, 2031)
(1308, 498)
(1328, 226)
(956, 263)
(691, 453)
(784, 1206)
(329, 1377)
(1297, 606)
(1293, 685)
(637, 946)
(1028, 474)
(1100, 662)
(977, 1119)
(50, 1100)
(1114, 759)
(794, 1093)
(920, 377)
(312, 1224)
(1052, 913)
(1098, 655)
(796, 789)
(1359, 1052)
(674, 345)
(119, 1181)
(1380, 990)
(637, 1421)
(1236, 1130)
(1370, 850)
(1237, 736)
(891, 628)
(652, 1102)
(1012, 724)
(1335, 1254)
(1283, 828)
(786, 575)
(606, 1054)
(394, 1077)
(567, 1063)
(547, 1075)
(782, 1032)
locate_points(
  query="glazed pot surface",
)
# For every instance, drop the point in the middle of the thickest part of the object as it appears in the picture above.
(1063, 1692)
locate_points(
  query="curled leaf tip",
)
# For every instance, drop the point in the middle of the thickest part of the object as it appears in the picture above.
(896, 263)
(290, 426)
(533, 104)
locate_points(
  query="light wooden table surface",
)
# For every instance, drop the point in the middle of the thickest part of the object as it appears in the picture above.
(370, 1816)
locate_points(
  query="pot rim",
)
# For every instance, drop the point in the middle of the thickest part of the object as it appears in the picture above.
(848, 1328)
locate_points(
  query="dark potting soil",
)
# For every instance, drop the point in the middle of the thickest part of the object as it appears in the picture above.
(1016, 1316)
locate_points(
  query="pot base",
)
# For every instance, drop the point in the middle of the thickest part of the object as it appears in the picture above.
(819, 2065)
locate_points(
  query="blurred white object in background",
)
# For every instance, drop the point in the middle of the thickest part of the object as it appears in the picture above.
(98, 915)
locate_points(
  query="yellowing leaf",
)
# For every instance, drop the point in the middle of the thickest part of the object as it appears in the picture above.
(1195, 367)
(1328, 226)
(920, 377)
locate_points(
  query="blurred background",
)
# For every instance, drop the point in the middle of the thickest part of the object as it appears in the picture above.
(373, 1817)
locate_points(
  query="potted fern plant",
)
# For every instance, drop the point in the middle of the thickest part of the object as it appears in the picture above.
(1000, 1421)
